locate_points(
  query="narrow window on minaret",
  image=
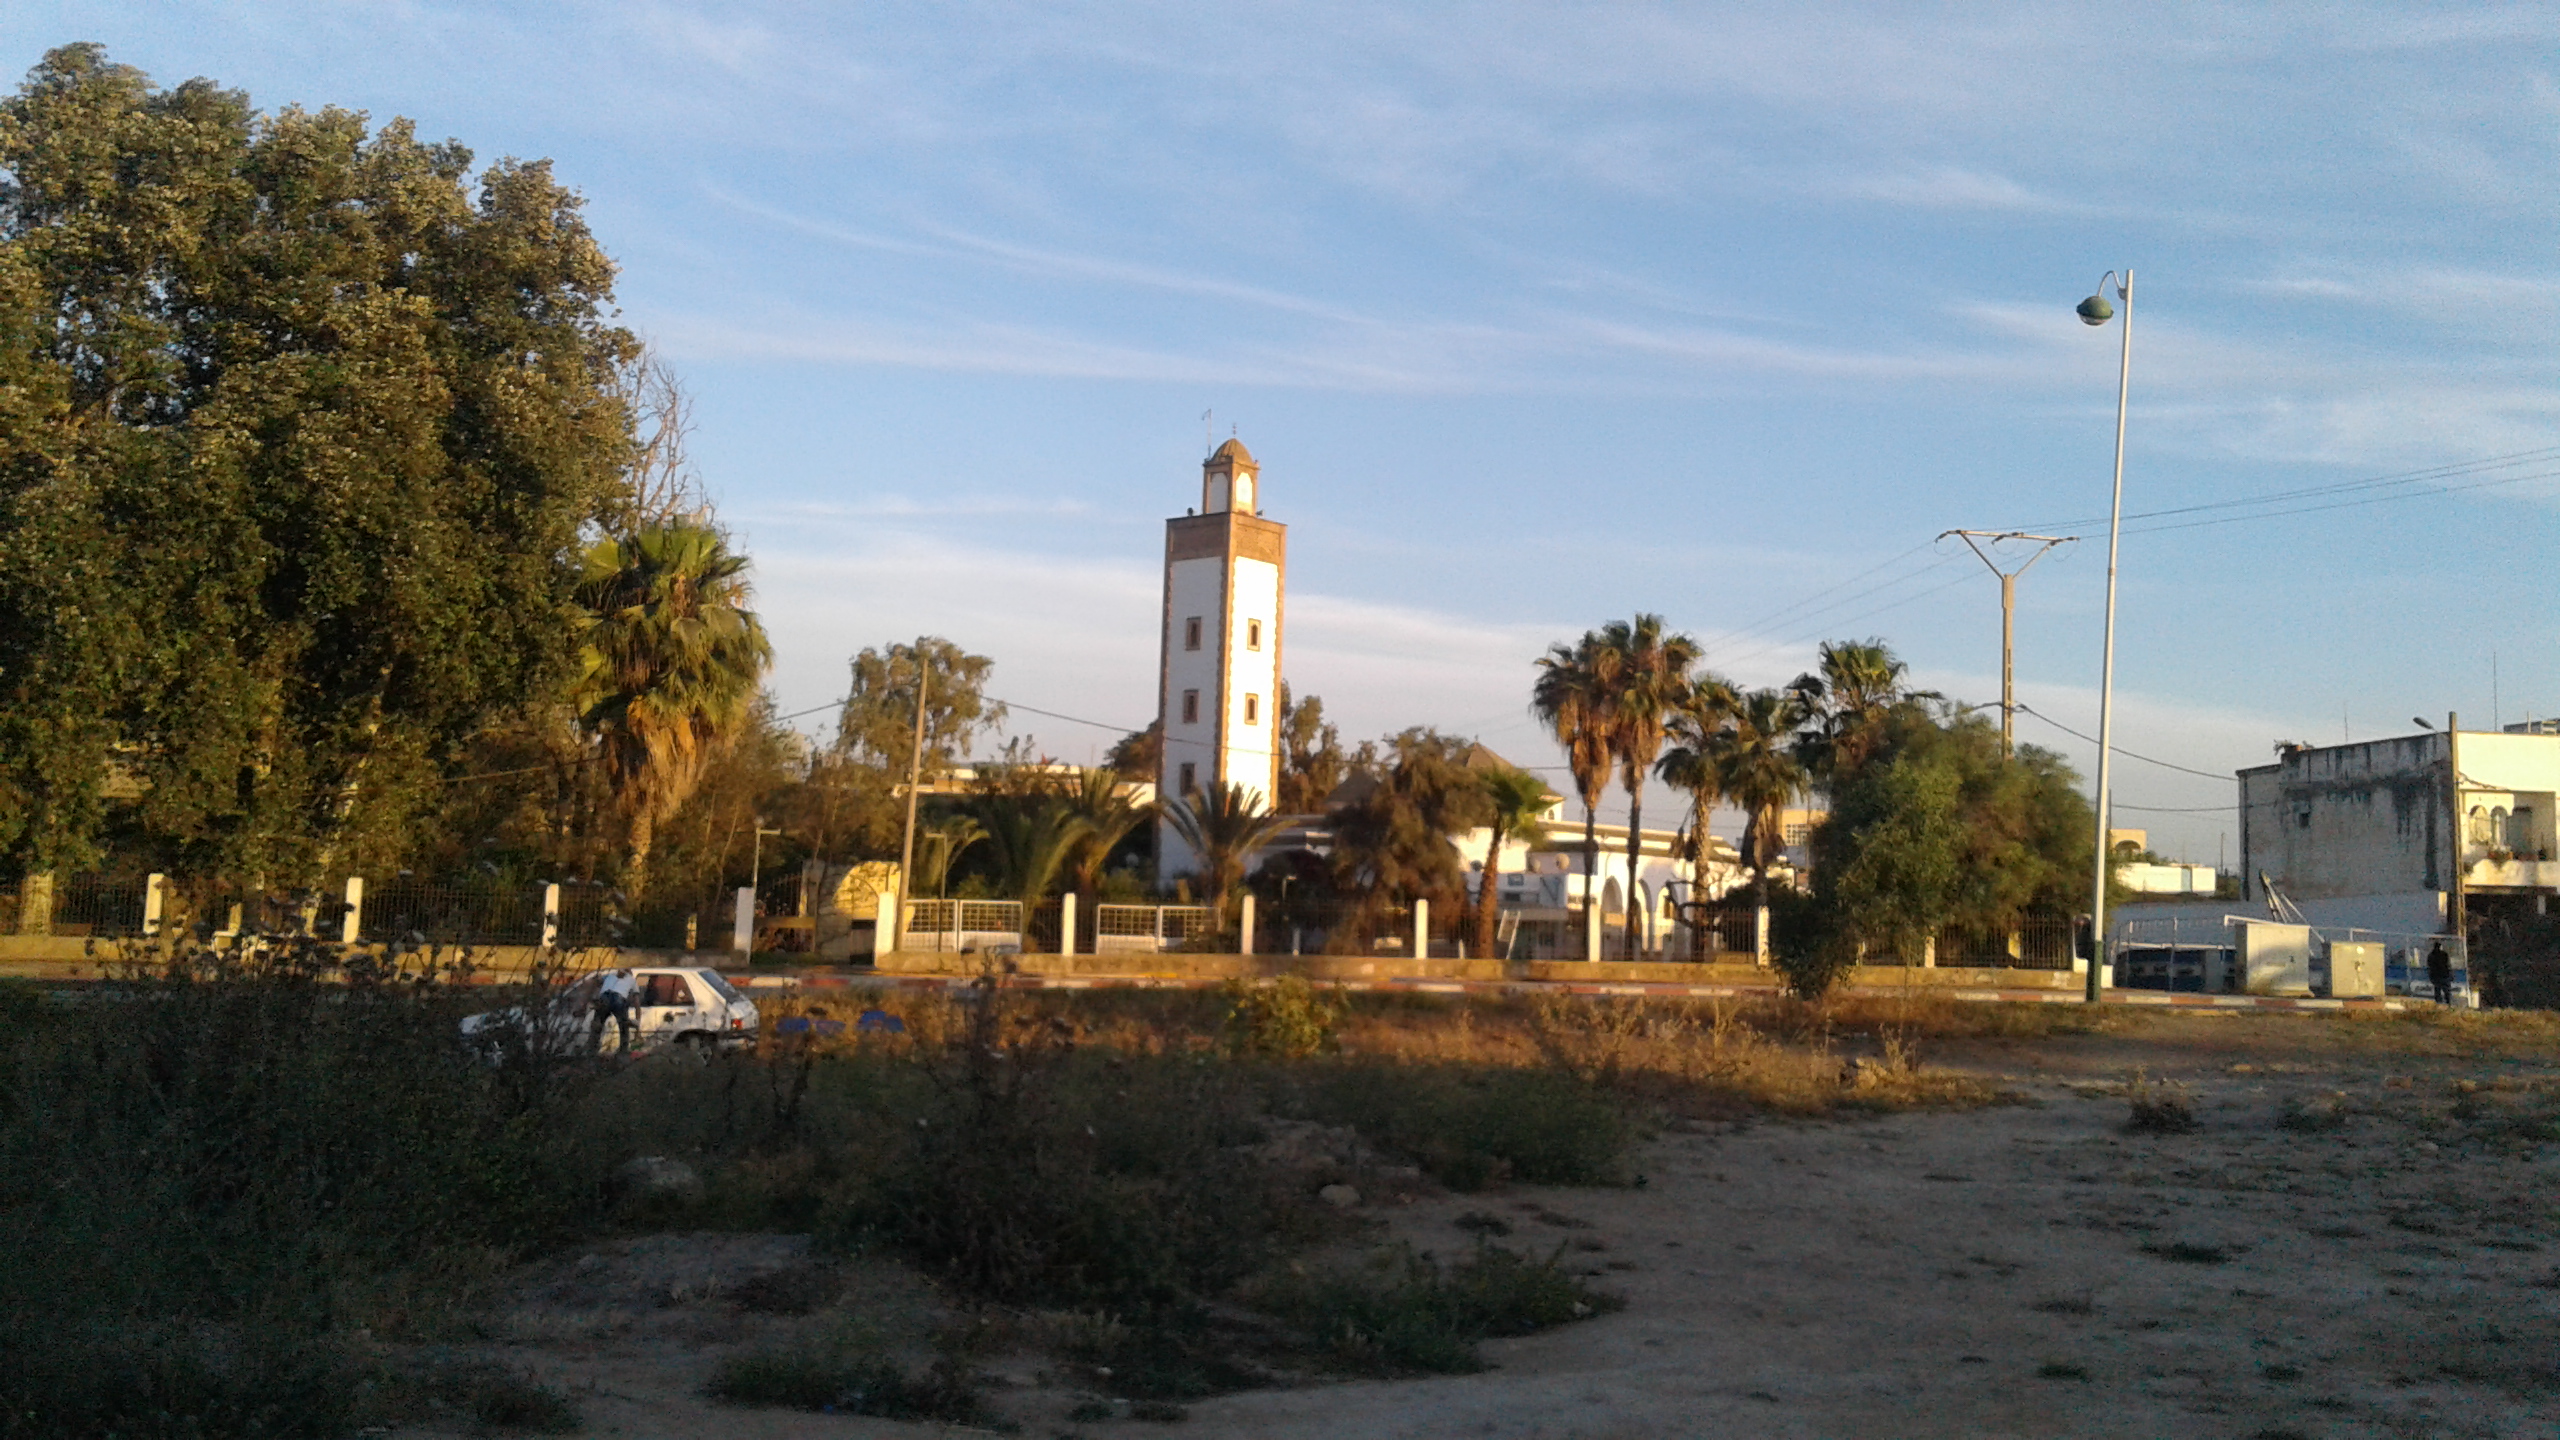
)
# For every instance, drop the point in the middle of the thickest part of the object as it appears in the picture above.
(1253, 709)
(1190, 773)
(1190, 707)
(1191, 633)
(1253, 634)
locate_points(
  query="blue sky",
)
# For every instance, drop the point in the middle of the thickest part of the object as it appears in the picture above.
(1537, 316)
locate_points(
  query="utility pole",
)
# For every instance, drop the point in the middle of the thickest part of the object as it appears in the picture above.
(915, 772)
(1974, 540)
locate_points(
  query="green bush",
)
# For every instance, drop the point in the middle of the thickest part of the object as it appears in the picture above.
(1470, 1127)
(1287, 1019)
(848, 1381)
(1406, 1313)
(211, 1172)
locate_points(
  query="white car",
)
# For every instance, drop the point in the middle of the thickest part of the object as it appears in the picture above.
(697, 1008)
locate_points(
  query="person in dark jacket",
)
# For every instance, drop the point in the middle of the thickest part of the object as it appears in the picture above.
(2440, 973)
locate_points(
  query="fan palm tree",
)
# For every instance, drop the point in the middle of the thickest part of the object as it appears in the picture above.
(1646, 678)
(1519, 799)
(1846, 701)
(1756, 768)
(1223, 825)
(1108, 818)
(1689, 766)
(1571, 699)
(670, 664)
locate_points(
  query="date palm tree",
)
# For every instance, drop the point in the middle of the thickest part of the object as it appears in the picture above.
(1519, 799)
(1571, 699)
(670, 663)
(1646, 678)
(1223, 825)
(1108, 818)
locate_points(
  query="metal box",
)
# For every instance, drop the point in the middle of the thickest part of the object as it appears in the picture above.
(2355, 969)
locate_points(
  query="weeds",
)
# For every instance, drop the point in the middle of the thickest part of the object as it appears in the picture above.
(2162, 1108)
(1405, 1313)
(835, 1375)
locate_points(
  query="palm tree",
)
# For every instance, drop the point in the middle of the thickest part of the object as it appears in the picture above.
(1689, 766)
(1646, 680)
(1571, 699)
(1108, 818)
(670, 660)
(939, 848)
(1756, 768)
(1223, 826)
(1846, 701)
(1033, 836)
(1519, 799)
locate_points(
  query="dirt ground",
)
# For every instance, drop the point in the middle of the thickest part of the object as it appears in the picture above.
(2348, 1244)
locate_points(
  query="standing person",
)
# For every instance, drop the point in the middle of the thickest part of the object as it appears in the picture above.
(2440, 973)
(613, 998)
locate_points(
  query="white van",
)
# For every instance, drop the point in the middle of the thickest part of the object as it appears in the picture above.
(697, 1008)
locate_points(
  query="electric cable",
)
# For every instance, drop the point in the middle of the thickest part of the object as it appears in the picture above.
(2023, 709)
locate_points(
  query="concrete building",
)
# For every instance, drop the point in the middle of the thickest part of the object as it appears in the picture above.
(2380, 834)
(1225, 583)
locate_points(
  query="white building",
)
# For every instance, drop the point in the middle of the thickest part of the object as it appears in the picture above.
(1225, 571)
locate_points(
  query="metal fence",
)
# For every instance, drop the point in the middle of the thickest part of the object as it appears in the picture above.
(1148, 929)
(452, 914)
(100, 905)
(1728, 930)
(962, 925)
(590, 915)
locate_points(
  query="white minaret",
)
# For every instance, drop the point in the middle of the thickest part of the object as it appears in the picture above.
(1223, 574)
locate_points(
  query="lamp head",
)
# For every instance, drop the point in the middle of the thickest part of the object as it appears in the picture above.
(2096, 311)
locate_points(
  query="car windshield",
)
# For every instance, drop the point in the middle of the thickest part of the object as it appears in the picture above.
(726, 990)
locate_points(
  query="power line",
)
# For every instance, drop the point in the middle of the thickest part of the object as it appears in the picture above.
(2147, 760)
(2169, 809)
(2411, 477)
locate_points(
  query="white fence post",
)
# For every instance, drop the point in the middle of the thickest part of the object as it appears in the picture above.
(1244, 946)
(349, 928)
(1590, 928)
(742, 934)
(1760, 936)
(1929, 952)
(1067, 923)
(550, 917)
(1421, 928)
(154, 903)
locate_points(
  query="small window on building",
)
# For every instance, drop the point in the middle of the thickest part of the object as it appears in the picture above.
(1190, 778)
(1253, 634)
(1190, 707)
(1253, 709)
(1191, 633)
(2479, 826)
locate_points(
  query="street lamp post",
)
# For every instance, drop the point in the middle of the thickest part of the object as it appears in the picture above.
(2096, 311)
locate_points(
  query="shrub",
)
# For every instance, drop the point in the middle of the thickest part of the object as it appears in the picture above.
(1405, 1313)
(848, 1379)
(2165, 1108)
(1287, 1019)
(1470, 1126)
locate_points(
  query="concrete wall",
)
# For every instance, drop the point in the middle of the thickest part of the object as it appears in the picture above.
(2369, 819)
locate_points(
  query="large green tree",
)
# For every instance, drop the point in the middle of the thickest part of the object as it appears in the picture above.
(299, 426)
